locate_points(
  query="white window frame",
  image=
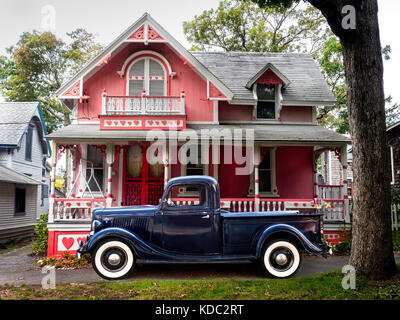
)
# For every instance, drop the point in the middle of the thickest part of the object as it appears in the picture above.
(184, 171)
(278, 103)
(392, 166)
(272, 159)
(146, 75)
(83, 166)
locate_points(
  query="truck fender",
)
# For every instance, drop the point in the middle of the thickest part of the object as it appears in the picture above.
(138, 246)
(285, 228)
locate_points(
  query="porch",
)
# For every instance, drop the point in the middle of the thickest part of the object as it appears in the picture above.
(114, 171)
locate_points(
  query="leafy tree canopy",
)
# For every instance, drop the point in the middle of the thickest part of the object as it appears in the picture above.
(34, 68)
(243, 26)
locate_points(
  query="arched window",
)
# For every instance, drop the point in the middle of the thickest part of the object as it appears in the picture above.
(149, 74)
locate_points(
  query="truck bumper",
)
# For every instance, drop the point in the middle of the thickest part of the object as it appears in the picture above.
(82, 248)
(326, 249)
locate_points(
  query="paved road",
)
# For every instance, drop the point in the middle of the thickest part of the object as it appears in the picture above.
(16, 267)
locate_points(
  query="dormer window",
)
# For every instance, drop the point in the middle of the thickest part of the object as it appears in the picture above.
(149, 74)
(266, 97)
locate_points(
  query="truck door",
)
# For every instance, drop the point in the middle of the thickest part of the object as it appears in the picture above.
(190, 225)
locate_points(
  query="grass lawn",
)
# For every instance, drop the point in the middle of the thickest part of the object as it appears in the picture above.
(324, 286)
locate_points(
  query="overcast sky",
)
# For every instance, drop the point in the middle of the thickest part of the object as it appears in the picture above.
(108, 19)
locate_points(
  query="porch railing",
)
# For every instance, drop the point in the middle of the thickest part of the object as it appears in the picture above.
(77, 210)
(80, 210)
(326, 191)
(144, 105)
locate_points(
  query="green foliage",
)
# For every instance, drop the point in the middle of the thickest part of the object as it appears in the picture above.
(396, 240)
(395, 195)
(41, 235)
(37, 66)
(243, 26)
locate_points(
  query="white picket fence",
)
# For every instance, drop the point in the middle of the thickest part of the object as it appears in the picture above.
(395, 217)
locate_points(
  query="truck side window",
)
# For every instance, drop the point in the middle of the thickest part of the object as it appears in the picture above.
(199, 197)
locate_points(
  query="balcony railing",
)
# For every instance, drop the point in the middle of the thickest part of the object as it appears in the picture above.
(143, 105)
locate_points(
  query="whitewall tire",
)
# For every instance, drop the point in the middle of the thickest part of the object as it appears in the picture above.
(113, 259)
(281, 259)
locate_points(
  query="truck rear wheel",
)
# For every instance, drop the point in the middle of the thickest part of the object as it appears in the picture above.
(113, 260)
(280, 258)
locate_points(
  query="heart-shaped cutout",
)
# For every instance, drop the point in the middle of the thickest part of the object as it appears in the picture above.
(164, 122)
(122, 122)
(136, 122)
(108, 122)
(116, 123)
(68, 242)
(157, 123)
(150, 122)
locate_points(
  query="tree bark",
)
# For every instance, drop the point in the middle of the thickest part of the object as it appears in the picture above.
(372, 249)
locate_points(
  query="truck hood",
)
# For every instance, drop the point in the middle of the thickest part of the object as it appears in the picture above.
(139, 210)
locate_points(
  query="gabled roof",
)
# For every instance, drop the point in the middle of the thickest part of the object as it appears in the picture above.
(235, 70)
(268, 66)
(14, 120)
(142, 25)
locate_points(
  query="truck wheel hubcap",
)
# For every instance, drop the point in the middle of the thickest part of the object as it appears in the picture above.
(281, 259)
(114, 259)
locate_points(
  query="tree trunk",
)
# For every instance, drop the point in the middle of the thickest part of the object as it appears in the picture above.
(372, 249)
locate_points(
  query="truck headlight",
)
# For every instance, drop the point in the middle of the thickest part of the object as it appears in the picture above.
(95, 224)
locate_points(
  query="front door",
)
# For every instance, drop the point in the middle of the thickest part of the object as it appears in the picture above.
(143, 183)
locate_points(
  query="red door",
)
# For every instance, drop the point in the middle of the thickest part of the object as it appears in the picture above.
(143, 183)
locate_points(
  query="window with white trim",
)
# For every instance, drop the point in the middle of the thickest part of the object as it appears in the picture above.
(392, 178)
(94, 169)
(197, 168)
(266, 101)
(265, 173)
(149, 74)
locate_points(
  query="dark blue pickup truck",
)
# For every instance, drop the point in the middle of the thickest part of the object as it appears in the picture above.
(174, 231)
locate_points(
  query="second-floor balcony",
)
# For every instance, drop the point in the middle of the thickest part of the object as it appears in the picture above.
(143, 112)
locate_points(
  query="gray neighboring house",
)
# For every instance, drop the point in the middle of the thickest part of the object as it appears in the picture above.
(24, 174)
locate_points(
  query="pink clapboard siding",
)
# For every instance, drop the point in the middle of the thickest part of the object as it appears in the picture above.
(198, 108)
(294, 172)
(296, 114)
(230, 112)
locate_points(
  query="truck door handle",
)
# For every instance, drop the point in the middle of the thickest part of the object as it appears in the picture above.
(206, 216)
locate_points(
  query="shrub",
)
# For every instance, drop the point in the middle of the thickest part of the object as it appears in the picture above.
(67, 260)
(41, 235)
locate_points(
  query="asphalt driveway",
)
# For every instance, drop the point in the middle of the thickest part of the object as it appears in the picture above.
(17, 267)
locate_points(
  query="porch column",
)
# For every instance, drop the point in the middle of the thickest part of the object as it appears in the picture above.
(256, 157)
(343, 155)
(54, 156)
(109, 161)
(166, 163)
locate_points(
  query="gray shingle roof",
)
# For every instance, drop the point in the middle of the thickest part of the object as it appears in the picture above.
(14, 119)
(8, 175)
(235, 69)
(262, 132)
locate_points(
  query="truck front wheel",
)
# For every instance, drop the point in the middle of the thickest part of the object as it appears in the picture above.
(113, 259)
(280, 258)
